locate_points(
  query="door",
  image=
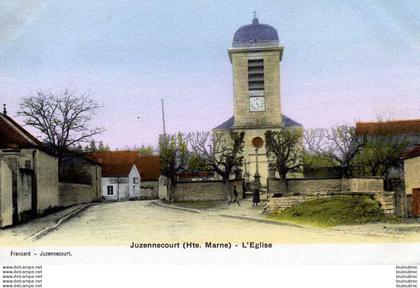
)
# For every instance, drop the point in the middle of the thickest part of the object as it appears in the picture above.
(416, 202)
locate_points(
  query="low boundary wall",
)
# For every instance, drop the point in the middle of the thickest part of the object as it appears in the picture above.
(209, 190)
(72, 194)
(275, 204)
(307, 189)
(324, 185)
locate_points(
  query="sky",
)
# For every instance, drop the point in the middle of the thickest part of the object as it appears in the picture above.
(343, 61)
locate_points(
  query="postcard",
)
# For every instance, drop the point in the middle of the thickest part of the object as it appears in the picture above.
(209, 132)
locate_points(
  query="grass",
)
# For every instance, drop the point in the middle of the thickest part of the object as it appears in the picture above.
(339, 210)
(198, 204)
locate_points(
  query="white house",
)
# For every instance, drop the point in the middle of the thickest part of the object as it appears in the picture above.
(120, 175)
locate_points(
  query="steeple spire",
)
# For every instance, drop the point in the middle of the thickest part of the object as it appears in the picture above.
(4, 109)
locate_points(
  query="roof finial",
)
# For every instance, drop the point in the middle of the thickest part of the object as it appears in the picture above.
(255, 20)
(4, 109)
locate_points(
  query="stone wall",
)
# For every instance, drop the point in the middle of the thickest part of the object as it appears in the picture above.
(387, 201)
(323, 185)
(301, 190)
(149, 190)
(204, 190)
(73, 194)
(275, 204)
(46, 173)
(6, 206)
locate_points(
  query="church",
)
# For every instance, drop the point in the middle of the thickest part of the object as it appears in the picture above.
(255, 56)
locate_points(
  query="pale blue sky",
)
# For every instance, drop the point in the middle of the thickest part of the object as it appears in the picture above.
(343, 60)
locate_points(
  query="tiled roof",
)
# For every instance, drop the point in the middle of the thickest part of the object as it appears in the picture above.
(149, 167)
(288, 122)
(400, 127)
(115, 163)
(411, 153)
(12, 135)
(120, 163)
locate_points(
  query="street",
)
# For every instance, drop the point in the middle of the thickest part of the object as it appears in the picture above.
(121, 223)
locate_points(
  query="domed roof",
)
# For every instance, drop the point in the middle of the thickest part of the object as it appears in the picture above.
(255, 35)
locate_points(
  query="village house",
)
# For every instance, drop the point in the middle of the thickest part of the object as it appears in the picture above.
(409, 130)
(128, 175)
(120, 175)
(29, 177)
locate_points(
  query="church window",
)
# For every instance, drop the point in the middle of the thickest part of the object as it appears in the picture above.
(255, 74)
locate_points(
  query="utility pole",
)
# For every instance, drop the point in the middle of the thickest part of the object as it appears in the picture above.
(163, 118)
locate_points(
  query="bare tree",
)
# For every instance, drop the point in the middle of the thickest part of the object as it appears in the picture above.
(284, 149)
(223, 152)
(337, 143)
(62, 119)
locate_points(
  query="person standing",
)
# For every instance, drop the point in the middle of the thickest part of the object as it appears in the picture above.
(256, 197)
(235, 196)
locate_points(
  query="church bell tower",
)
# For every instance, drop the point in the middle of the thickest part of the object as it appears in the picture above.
(255, 56)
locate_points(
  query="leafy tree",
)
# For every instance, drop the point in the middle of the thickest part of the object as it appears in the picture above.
(92, 146)
(313, 161)
(174, 156)
(62, 119)
(197, 163)
(284, 149)
(145, 150)
(223, 152)
(319, 166)
(340, 144)
(102, 147)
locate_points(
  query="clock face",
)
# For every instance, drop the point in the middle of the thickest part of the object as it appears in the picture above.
(256, 104)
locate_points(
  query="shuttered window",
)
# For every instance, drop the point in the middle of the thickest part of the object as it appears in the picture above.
(255, 74)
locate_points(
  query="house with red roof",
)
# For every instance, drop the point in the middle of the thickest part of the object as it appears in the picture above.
(128, 175)
(120, 176)
(409, 129)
